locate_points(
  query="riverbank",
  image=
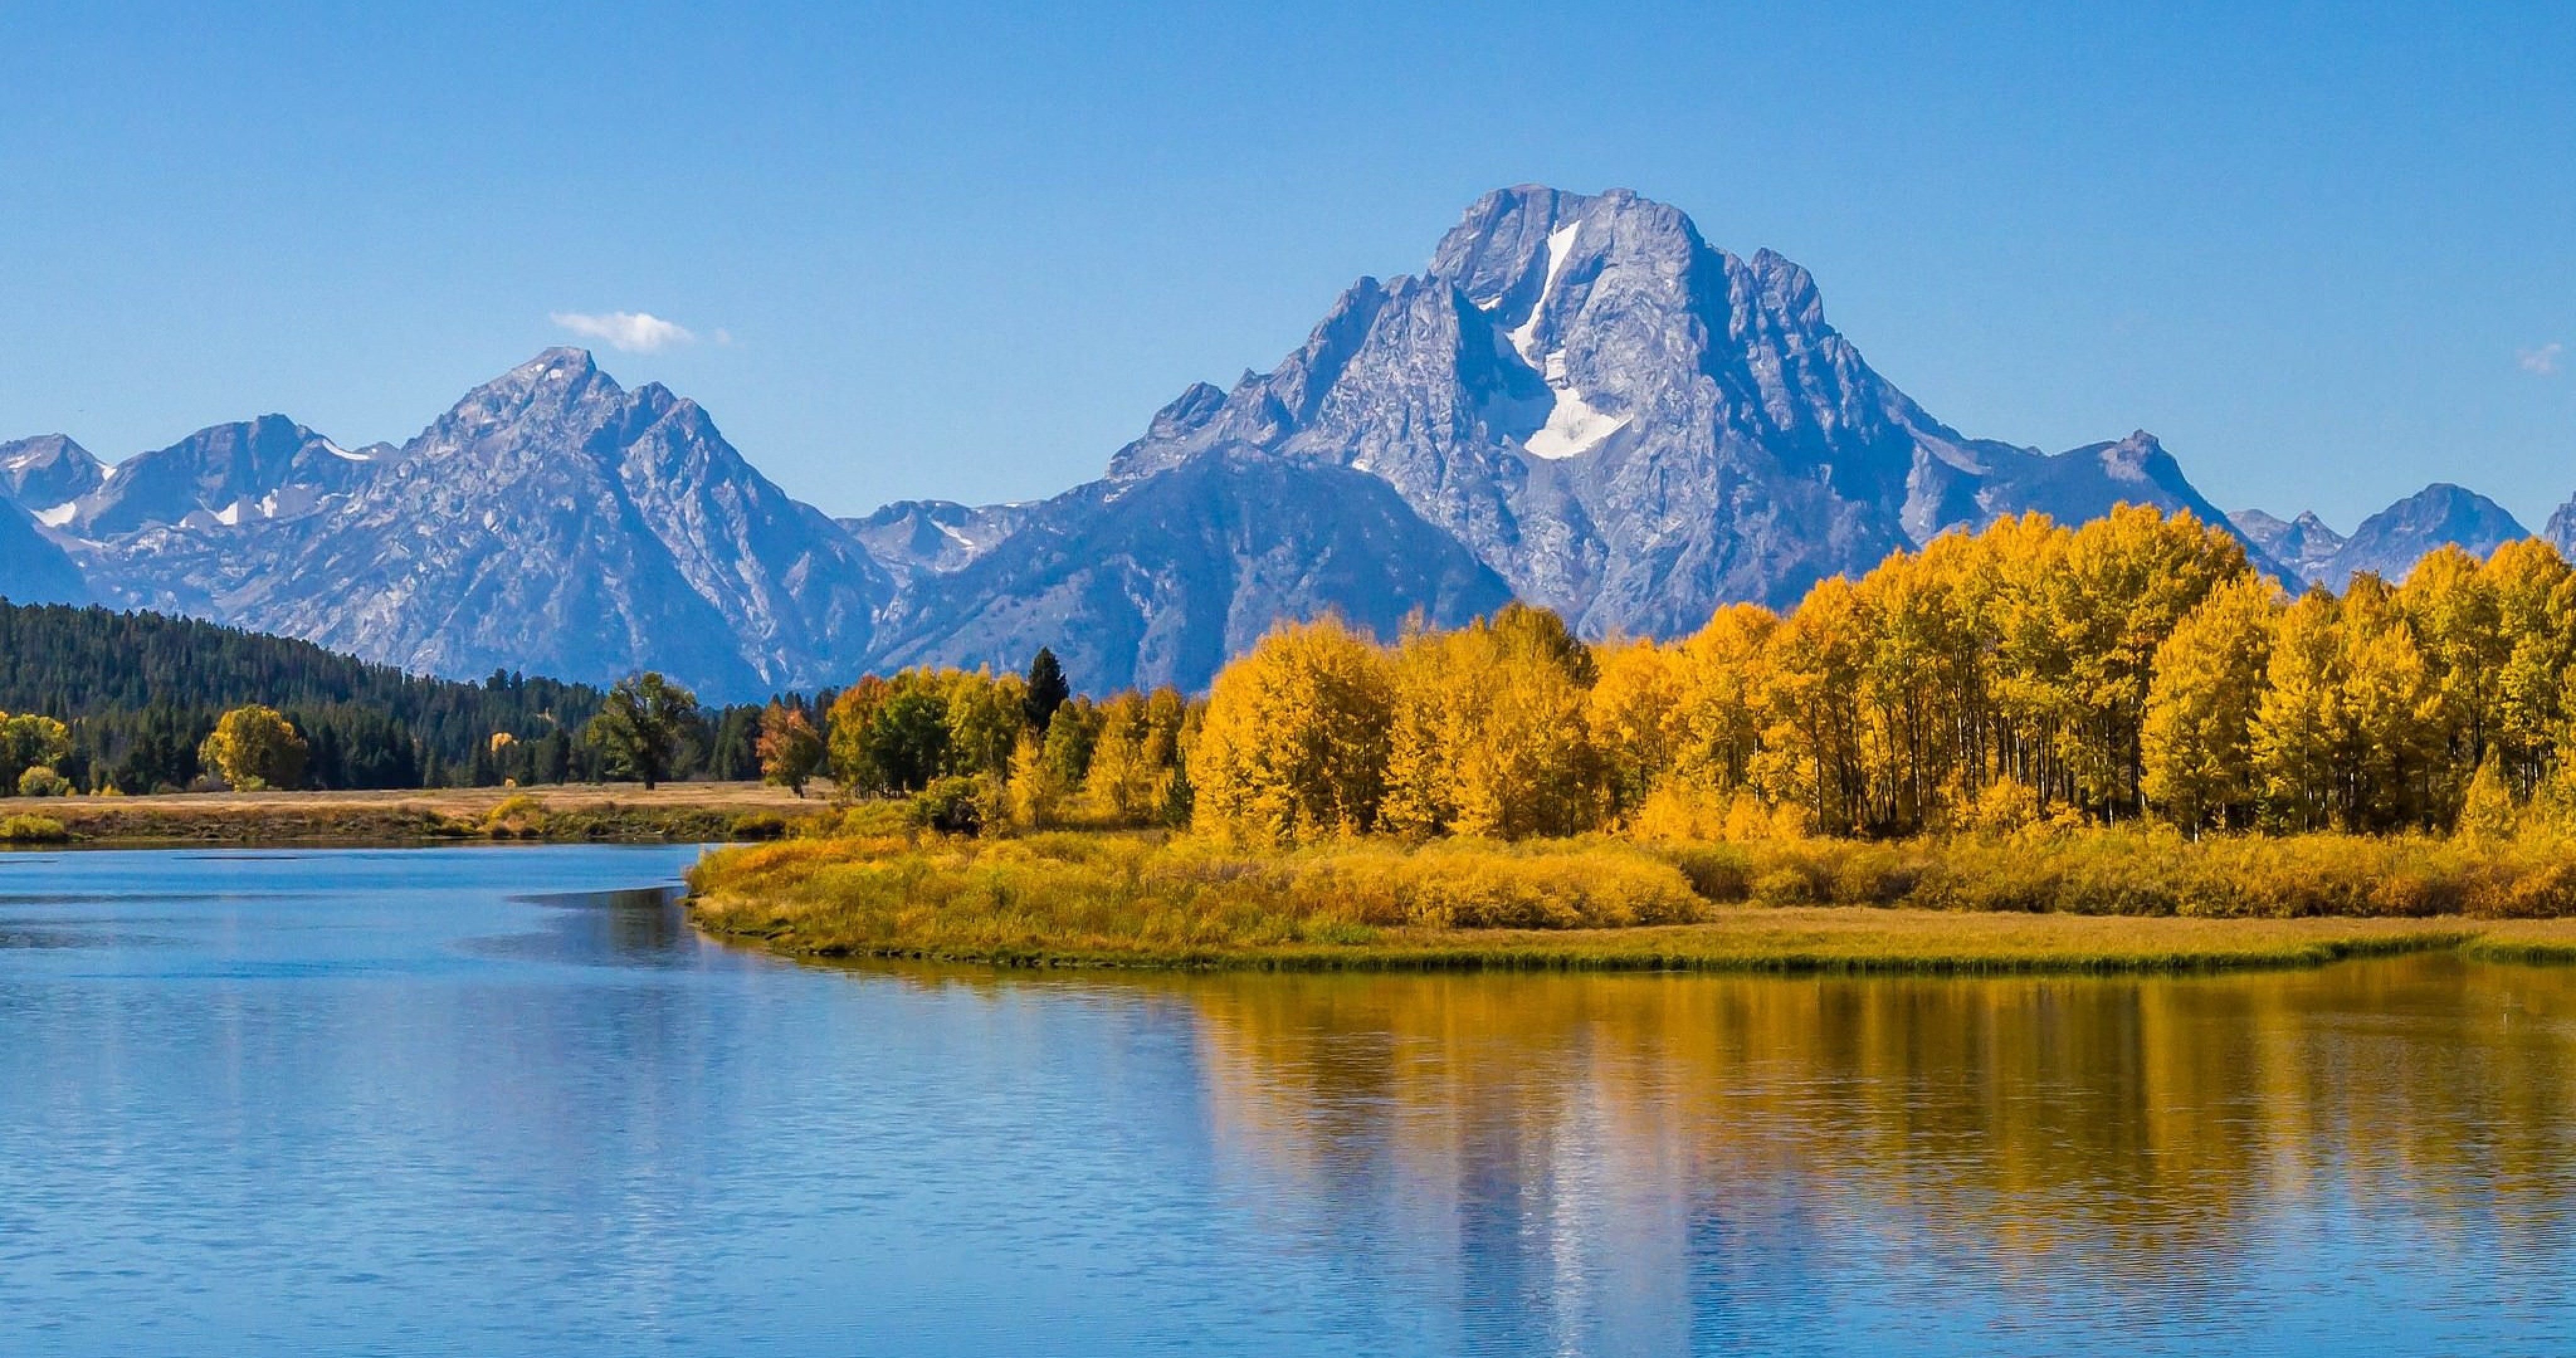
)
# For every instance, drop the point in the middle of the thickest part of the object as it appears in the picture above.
(564, 813)
(2090, 901)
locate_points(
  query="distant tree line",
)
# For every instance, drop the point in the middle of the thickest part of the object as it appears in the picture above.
(102, 700)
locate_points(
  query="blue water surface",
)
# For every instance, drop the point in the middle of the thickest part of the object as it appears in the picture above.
(503, 1100)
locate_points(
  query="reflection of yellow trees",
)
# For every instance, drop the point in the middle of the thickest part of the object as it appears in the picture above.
(2129, 1124)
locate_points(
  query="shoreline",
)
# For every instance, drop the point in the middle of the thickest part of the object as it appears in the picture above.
(1788, 941)
(1112, 900)
(556, 813)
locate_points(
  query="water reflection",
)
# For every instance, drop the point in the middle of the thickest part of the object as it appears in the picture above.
(475, 1100)
(638, 926)
(1691, 1156)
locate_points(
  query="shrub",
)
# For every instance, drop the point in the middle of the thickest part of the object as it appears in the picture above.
(521, 816)
(952, 806)
(1716, 872)
(757, 825)
(41, 781)
(25, 829)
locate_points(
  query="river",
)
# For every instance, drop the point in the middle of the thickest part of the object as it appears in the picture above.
(502, 1101)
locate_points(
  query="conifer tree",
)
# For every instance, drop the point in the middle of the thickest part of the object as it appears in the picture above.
(1046, 689)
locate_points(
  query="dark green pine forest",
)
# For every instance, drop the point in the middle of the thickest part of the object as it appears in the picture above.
(140, 692)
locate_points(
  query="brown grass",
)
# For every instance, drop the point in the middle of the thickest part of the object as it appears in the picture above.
(703, 812)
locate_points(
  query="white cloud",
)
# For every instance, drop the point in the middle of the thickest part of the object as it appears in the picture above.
(2543, 360)
(634, 332)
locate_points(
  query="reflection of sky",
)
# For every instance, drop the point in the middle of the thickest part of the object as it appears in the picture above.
(418, 1099)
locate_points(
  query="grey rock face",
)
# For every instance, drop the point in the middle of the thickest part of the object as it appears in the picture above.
(2560, 531)
(2390, 542)
(268, 468)
(1630, 426)
(915, 538)
(553, 522)
(2305, 544)
(1159, 579)
(1987, 481)
(46, 472)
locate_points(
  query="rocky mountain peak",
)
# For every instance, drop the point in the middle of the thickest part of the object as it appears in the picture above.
(48, 470)
(1628, 424)
(222, 476)
(2388, 543)
(558, 395)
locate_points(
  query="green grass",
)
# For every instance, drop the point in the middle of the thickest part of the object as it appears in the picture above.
(2089, 901)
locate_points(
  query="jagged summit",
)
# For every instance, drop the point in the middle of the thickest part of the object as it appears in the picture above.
(1629, 424)
(550, 520)
(47, 471)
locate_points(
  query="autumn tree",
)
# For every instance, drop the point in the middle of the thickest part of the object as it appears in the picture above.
(1294, 742)
(2299, 722)
(1636, 719)
(985, 717)
(1123, 783)
(2535, 604)
(2390, 753)
(2197, 741)
(30, 741)
(790, 749)
(2456, 621)
(847, 732)
(253, 748)
(1488, 733)
(2129, 578)
(1811, 752)
(1071, 736)
(1722, 672)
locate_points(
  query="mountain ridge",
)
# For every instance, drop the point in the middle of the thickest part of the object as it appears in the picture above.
(1578, 401)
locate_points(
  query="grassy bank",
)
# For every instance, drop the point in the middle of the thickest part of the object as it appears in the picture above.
(2092, 901)
(677, 812)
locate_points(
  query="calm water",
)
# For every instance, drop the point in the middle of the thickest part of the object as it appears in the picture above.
(443, 1101)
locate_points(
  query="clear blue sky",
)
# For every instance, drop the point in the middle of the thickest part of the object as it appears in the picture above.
(2324, 251)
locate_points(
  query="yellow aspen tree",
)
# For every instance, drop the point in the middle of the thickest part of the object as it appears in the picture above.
(1812, 747)
(1294, 742)
(2128, 578)
(2197, 739)
(1636, 716)
(2299, 723)
(2535, 597)
(1723, 673)
(2450, 603)
(1126, 783)
(2391, 745)
(1488, 734)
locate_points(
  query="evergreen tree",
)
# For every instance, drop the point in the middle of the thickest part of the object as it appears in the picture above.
(1046, 689)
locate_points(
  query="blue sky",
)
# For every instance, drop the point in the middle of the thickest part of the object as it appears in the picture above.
(2328, 253)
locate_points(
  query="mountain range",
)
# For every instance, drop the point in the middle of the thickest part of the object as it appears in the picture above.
(1579, 402)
